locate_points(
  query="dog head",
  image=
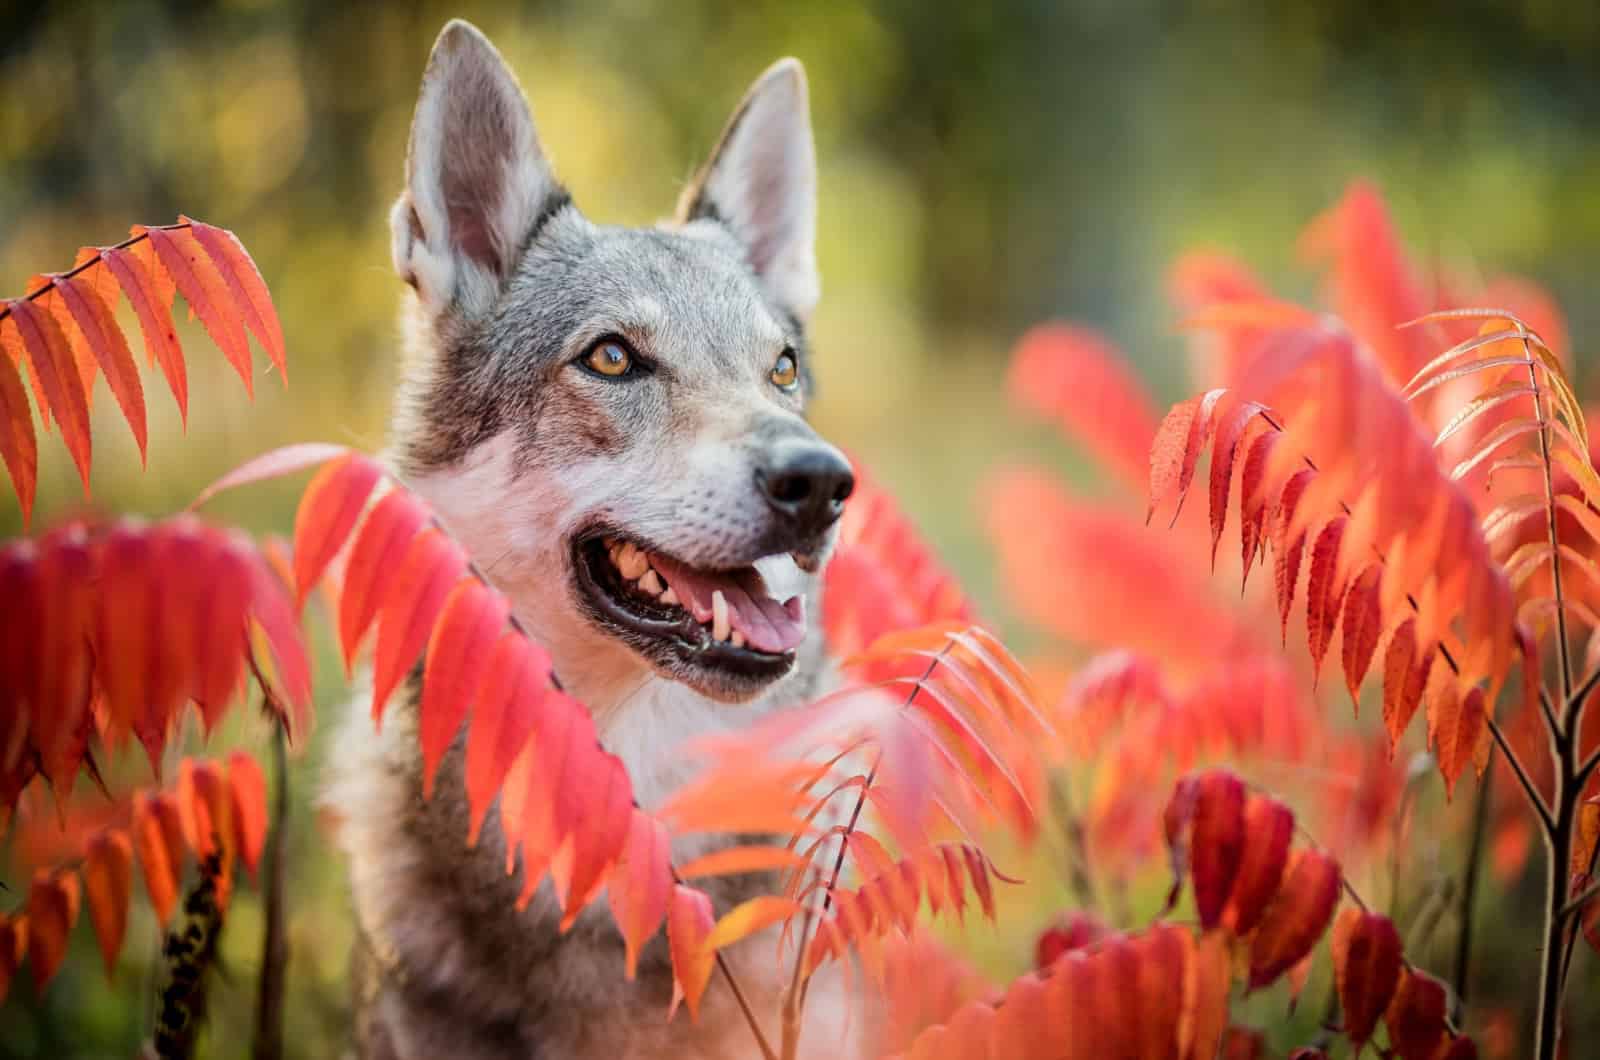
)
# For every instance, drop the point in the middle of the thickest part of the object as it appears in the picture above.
(610, 419)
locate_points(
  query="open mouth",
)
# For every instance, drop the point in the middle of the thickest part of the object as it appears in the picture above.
(723, 626)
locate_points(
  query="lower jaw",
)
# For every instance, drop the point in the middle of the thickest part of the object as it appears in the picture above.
(681, 651)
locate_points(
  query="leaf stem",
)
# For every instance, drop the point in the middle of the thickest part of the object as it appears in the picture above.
(267, 1043)
(5, 305)
(1535, 800)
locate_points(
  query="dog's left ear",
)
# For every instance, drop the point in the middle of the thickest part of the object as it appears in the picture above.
(477, 179)
(761, 181)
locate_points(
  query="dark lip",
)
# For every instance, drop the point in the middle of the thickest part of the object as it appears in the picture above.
(667, 636)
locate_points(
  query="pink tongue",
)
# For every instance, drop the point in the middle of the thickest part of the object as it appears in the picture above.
(766, 624)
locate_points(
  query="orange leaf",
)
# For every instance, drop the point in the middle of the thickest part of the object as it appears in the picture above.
(52, 910)
(1268, 828)
(749, 917)
(689, 923)
(249, 290)
(248, 788)
(1366, 968)
(1404, 678)
(105, 340)
(206, 806)
(152, 304)
(108, 880)
(183, 258)
(1230, 428)
(735, 861)
(458, 656)
(1162, 952)
(158, 840)
(1457, 727)
(19, 446)
(328, 511)
(1205, 997)
(50, 363)
(1176, 448)
(639, 884)
(1296, 918)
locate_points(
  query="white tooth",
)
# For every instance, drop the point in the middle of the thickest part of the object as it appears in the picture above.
(669, 597)
(650, 583)
(719, 616)
(738, 639)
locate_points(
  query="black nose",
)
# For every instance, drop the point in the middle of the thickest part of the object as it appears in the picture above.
(805, 483)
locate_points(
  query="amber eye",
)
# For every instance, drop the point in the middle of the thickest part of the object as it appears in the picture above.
(609, 358)
(785, 373)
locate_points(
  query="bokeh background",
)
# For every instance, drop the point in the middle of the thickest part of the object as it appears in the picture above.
(983, 168)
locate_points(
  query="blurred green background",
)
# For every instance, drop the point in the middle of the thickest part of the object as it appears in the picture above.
(983, 168)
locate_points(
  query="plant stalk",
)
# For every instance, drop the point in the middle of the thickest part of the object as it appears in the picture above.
(267, 1043)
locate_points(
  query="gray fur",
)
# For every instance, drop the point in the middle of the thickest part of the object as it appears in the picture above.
(519, 451)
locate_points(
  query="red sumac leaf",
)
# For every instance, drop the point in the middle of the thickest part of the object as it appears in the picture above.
(1253, 498)
(1176, 448)
(190, 267)
(1216, 842)
(244, 282)
(328, 512)
(1416, 1017)
(640, 884)
(458, 656)
(1296, 918)
(503, 715)
(430, 568)
(1268, 828)
(56, 376)
(19, 446)
(1363, 626)
(153, 306)
(1323, 591)
(1206, 985)
(109, 347)
(1231, 423)
(108, 881)
(377, 553)
(1366, 969)
(1404, 678)
(1458, 729)
(1286, 552)
(13, 948)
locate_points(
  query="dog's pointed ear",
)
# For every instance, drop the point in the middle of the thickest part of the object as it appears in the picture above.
(761, 181)
(477, 179)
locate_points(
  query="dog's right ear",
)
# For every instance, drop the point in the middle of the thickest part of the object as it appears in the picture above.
(477, 180)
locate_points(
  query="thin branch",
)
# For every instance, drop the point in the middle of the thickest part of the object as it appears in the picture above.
(1535, 799)
(1564, 650)
(1580, 900)
(267, 1043)
(5, 307)
(1469, 884)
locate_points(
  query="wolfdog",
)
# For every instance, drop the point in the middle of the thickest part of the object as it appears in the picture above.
(611, 422)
